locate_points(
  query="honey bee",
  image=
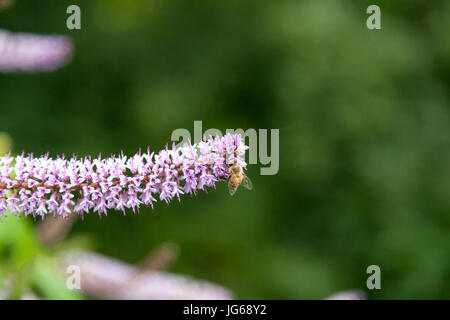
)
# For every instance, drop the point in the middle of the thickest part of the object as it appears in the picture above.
(238, 177)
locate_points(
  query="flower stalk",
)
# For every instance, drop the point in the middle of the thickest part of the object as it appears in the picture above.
(42, 186)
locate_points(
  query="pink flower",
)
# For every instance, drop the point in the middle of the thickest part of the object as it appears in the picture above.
(59, 186)
(26, 52)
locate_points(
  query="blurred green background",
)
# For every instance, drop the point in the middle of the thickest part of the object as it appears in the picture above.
(364, 119)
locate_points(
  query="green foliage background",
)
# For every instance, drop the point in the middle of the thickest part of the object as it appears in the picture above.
(364, 119)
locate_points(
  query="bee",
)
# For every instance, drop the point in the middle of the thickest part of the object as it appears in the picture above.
(238, 177)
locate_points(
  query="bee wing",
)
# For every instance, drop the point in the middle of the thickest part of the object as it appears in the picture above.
(232, 188)
(246, 182)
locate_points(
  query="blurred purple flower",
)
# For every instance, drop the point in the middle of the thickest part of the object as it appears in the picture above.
(107, 278)
(39, 186)
(26, 52)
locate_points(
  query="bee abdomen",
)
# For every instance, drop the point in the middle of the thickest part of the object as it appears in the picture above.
(236, 180)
